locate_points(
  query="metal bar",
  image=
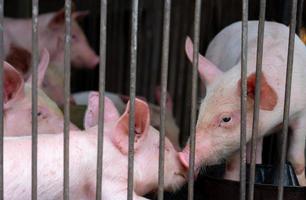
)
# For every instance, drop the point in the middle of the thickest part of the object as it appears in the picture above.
(1, 98)
(244, 55)
(133, 69)
(103, 34)
(67, 96)
(287, 98)
(164, 82)
(35, 8)
(260, 40)
(196, 39)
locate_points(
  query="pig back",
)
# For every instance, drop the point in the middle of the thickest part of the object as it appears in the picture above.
(225, 49)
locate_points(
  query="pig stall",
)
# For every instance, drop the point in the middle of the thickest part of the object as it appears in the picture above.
(210, 92)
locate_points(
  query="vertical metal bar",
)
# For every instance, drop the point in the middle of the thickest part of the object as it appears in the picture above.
(196, 38)
(1, 97)
(35, 8)
(133, 69)
(260, 40)
(164, 82)
(244, 55)
(103, 25)
(287, 98)
(67, 95)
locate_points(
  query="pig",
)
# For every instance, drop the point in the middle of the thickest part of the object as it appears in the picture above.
(18, 105)
(17, 33)
(218, 125)
(51, 34)
(232, 165)
(171, 129)
(83, 158)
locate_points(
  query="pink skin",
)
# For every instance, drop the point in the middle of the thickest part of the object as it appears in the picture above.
(172, 131)
(18, 105)
(218, 126)
(51, 33)
(91, 117)
(83, 144)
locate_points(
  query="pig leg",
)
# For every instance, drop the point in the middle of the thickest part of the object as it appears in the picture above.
(296, 154)
(232, 170)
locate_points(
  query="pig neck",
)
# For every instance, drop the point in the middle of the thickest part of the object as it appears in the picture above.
(114, 164)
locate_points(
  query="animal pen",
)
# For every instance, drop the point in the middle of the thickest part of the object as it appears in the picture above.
(141, 46)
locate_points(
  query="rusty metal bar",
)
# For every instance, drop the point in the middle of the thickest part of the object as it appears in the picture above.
(196, 39)
(35, 8)
(244, 54)
(133, 68)
(1, 98)
(67, 96)
(287, 99)
(259, 55)
(164, 82)
(103, 34)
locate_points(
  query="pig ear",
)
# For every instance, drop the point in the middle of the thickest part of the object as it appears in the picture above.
(169, 101)
(92, 113)
(268, 96)
(79, 15)
(42, 67)
(207, 70)
(120, 135)
(13, 85)
(58, 20)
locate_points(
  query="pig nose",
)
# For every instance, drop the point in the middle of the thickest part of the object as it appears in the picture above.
(94, 61)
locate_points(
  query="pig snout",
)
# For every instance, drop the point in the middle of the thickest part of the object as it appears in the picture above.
(93, 61)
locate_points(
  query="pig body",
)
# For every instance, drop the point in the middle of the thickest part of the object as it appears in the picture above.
(83, 158)
(218, 126)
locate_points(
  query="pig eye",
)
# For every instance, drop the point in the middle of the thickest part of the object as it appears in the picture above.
(226, 119)
(39, 114)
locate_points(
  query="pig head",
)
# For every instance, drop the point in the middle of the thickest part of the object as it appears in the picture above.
(81, 53)
(18, 105)
(218, 125)
(51, 34)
